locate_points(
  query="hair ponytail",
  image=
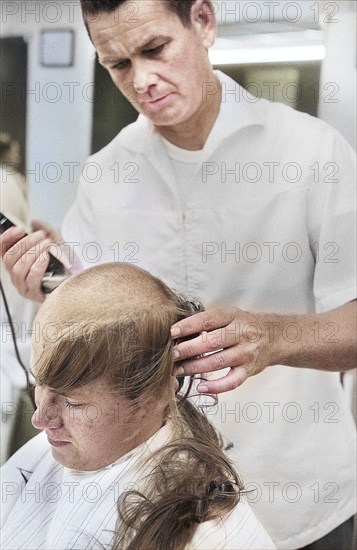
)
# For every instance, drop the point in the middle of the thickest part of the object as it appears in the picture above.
(191, 482)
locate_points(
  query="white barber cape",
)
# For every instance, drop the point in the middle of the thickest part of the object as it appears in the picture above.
(268, 225)
(50, 507)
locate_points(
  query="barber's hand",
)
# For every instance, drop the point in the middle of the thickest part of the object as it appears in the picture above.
(232, 337)
(26, 257)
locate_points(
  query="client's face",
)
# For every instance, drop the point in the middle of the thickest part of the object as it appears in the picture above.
(88, 428)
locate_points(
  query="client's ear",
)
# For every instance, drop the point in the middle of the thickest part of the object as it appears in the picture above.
(179, 383)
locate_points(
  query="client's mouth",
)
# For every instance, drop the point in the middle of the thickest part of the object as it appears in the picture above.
(57, 442)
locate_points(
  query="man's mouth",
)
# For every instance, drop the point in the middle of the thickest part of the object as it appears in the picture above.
(156, 104)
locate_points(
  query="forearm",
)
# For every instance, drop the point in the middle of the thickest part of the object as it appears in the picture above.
(324, 341)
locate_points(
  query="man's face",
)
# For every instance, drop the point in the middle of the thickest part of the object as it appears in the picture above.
(159, 65)
(89, 427)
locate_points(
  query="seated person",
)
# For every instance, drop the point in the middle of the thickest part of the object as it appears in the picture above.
(124, 460)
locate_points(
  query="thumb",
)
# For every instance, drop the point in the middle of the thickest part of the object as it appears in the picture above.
(58, 251)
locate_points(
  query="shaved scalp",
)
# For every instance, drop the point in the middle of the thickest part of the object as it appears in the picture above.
(106, 292)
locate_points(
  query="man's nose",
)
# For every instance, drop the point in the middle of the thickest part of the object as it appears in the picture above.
(143, 76)
(48, 413)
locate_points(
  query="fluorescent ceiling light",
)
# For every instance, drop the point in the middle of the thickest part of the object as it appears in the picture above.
(242, 55)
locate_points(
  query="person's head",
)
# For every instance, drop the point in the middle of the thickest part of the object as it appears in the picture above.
(103, 363)
(156, 52)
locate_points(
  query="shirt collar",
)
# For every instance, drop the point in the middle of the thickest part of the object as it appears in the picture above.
(239, 109)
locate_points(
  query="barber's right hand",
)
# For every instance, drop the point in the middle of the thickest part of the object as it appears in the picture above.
(26, 257)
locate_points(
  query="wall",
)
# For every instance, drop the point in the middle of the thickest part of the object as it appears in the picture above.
(338, 76)
(13, 63)
(59, 106)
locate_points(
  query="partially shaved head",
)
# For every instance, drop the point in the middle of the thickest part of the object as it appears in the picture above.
(112, 322)
(106, 292)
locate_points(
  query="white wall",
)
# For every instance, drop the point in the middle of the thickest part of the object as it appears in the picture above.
(59, 106)
(337, 104)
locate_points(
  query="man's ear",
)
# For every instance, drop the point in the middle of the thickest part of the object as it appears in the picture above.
(204, 21)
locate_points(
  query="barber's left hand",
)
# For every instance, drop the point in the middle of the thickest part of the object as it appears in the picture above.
(232, 338)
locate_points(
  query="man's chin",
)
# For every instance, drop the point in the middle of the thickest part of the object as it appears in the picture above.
(167, 118)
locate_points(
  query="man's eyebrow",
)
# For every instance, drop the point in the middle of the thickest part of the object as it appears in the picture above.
(146, 46)
(108, 60)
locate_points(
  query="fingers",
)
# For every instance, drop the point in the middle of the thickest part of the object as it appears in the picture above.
(22, 246)
(33, 282)
(38, 224)
(235, 377)
(26, 262)
(28, 272)
(26, 258)
(203, 321)
(231, 357)
(10, 237)
(207, 342)
(50, 232)
(57, 249)
(228, 338)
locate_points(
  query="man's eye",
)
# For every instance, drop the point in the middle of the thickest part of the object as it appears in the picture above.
(154, 51)
(121, 65)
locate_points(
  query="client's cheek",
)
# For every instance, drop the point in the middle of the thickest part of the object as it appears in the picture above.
(34, 419)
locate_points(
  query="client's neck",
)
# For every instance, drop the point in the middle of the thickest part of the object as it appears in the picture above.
(142, 430)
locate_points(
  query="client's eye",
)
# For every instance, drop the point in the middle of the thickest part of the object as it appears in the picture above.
(73, 405)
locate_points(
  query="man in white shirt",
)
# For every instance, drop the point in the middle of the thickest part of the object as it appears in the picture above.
(250, 225)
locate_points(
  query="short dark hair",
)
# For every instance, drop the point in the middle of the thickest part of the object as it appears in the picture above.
(182, 8)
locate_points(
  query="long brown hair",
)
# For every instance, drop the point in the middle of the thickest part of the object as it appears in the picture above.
(113, 321)
(192, 482)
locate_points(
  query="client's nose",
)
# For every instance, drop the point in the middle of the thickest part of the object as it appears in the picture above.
(49, 412)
